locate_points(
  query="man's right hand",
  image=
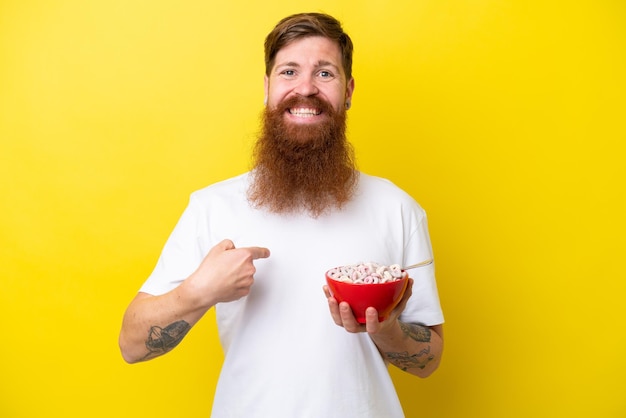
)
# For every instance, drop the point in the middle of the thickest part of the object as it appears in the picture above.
(226, 274)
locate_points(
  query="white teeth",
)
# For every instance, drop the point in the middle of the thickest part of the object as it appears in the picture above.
(304, 112)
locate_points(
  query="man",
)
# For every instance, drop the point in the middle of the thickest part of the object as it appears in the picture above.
(285, 355)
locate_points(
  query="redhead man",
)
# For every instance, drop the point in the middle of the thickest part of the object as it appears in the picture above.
(290, 349)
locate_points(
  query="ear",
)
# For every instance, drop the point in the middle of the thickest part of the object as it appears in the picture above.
(266, 87)
(349, 89)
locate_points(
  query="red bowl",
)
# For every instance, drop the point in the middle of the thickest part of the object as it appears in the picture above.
(360, 296)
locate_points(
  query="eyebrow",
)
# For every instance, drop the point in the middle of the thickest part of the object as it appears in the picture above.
(320, 63)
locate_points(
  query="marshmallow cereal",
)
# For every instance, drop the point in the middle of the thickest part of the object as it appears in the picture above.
(367, 273)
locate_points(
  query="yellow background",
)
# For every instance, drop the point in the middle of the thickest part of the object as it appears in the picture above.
(504, 119)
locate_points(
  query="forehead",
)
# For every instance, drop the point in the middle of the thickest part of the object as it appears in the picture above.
(311, 50)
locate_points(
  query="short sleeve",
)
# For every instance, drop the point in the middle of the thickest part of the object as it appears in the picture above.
(424, 306)
(181, 254)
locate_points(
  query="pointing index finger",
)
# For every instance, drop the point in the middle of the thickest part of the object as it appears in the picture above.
(259, 252)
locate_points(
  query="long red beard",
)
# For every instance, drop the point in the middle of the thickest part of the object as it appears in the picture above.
(298, 167)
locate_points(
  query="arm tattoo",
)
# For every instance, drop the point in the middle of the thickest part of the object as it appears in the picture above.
(161, 340)
(419, 333)
(407, 361)
(404, 360)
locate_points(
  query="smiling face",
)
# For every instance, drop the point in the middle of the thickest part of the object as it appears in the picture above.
(302, 159)
(307, 71)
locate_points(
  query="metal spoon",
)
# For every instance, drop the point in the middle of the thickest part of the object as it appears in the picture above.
(421, 264)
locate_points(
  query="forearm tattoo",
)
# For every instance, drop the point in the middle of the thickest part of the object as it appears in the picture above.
(161, 340)
(417, 332)
(404, 360)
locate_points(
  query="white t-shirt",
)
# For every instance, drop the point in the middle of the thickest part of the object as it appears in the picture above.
(284, 355)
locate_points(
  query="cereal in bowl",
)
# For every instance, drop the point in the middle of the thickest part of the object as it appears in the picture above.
(367, 273)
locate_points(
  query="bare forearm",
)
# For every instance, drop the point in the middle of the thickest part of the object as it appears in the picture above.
(154, 325)
(413, 348)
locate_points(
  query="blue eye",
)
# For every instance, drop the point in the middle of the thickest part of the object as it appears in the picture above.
(325, 74)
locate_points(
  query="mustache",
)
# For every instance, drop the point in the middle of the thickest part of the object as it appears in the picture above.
(302, 101)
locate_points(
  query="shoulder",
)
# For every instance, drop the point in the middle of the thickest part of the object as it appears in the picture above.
(229, 188)
(381, 188)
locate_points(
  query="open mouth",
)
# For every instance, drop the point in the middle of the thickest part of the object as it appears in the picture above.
(304, 112)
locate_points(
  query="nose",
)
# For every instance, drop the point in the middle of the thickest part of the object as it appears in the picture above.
(306, 87)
